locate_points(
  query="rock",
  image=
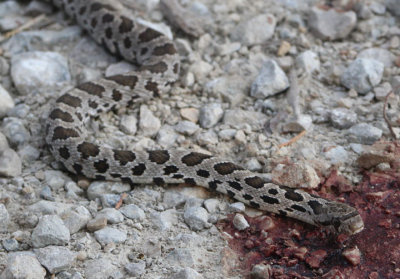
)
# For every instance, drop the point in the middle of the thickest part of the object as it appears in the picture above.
(298, 124)
(28, 154)
(23, 265)
(256, 30)
(180, 257)
(237, 207)
(210, 115)
(364, 133)
(96, 224)
(196, 218)
(148, 123)
(362, 75)
(9, 7)
(55, 258)
(10, 163)
(261, 271)
(50, 231)
(230, 88)
(186, 273)
(37, 70)
(395, 81)
(186, 127)
(382, 90)
(352, 255)
(191, 114)
(343, 118)
(110, 235)
(376, 154)
(208, 137)
(128, 124)
(15, 131)
(10, 244)
(48, 208)
(112, 215)
(3, 142)
(101, 269)
(76, 218)
(55, 179)
(380, 54)
(165, 220)
(133, 212)
(240, 222)
(308, 61)
(200, 70)
(337, 155)
(6, 102)
(239, 119)
(211, 205)
(99, 188)
(393, 6)
(328, 24)
(46, 194)
(173, 198)
(296, 175)
(270, 81)
(167, 136)
(136, 269)
(4, 218)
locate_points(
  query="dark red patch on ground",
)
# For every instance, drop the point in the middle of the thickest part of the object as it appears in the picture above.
(297, 250)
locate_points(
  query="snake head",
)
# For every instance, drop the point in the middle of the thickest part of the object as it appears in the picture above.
(342, 218)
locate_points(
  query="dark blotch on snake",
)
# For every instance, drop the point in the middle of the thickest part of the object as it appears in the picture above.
(298, 208)
(158, 181)
(139, 169)
(124, 157)
(108, 18)
(213, 184)
(190, 181)
(69, 100)
(64, 152)
(170, 169)
(230, 193)
(226, 168)
(255, 182)
(125, 80)
(59, 114)
(269, 200)
(203, 173)
(61, 133)
(247, 197)
(101, 166)
(165, 49)
(316, 207)
(88, 149)
(148, 35)
(77, 168)
(92, 88)
(159, 156)
(290, 194)
(194, 158)
(126, 25)
(235, 185)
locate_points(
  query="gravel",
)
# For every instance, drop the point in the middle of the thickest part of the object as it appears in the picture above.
(230, 101)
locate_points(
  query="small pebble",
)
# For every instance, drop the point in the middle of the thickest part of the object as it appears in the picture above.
(240, 222)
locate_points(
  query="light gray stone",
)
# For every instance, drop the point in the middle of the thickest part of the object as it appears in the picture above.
(110, 235)
(164, 220)
(362, 75)
(55, 179)
(133, 212)
(3, 142)
(100, 269)
(76, 218)
(239, 119)
(28, 154)
(240, 222)
(15, 131)
(99, 188)
(343, 118)
(23, 265)
(211, 205)
(180, 257)
(208, 137)
(46, 194)
(148, 123)
(36, 70)
(237, 207)
(112, 215)
(308, 61)
(337, 155)
(270, 81)
(128, 124)
(380, 54)
(364, 133)
(393, 6)
(6, 102)
(256, 30)
(330, 24)
(196, 218)
(231, 88)
(10, 163)
(135, 269)
(10, 244)
(55, 258)
(186, 127)
(186, 273)
(50, 231)
(210, 115)
(4, 218)
(166, 136)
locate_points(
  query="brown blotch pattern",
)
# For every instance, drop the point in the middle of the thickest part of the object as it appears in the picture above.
(126, 25)
(165, 49)
(93, 23)
(176, 68)
(290, 194)
(158, 181)
(226, 168)
(125, 80)
(82, 10)
(152, 86)
(148, 35)
(159, 156)
(69, 100)
(124, 157)
(214, 184)
(316, 207)
(59, 114)
(108, 18)
(158, 68)
(247, 197)
(88, 149)
(77, 168)
(116, 95)
(92, 88)
(61, 133)
(255, 182)
(194, 158)
(101, 166)
(64, 152)
(93, 104)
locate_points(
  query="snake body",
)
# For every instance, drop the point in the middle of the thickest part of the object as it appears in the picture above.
(158, 68)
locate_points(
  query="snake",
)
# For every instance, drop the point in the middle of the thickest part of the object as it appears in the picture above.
(158, 67)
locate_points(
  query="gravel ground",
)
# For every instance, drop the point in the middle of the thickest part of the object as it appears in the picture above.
(289, 88)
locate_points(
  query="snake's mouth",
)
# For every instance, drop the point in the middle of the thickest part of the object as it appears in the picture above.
(351, 224)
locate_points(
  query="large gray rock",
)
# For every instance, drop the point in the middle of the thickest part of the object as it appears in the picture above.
(393, 6)
(55, 258)
(23, 265)
(362, 75)
(256, 30)
(329, 24)
(50, 231)
(6, 102)
(364, 133)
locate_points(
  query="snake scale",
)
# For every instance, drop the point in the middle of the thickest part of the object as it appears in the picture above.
(158, 67)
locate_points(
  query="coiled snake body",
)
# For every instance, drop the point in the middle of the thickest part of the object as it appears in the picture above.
(159, 67)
